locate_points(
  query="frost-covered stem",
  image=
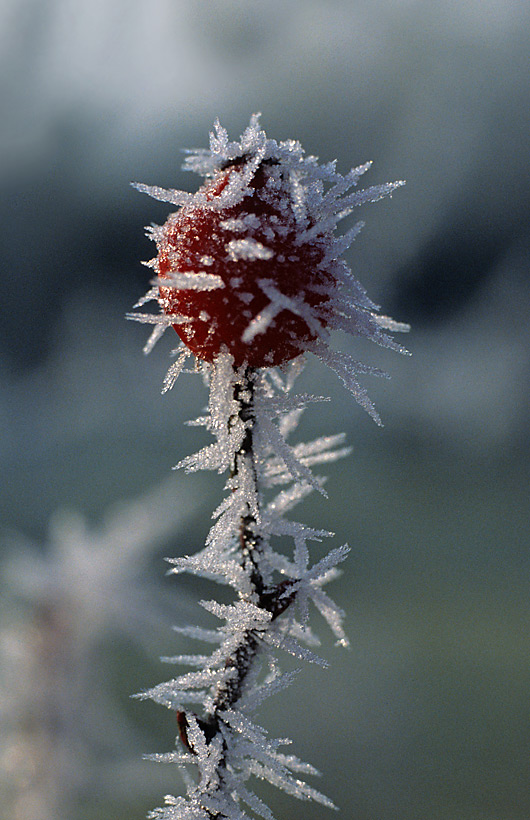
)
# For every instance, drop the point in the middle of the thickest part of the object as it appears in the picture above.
(272, 599)
(249, 537)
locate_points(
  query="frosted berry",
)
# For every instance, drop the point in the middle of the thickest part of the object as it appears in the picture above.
(251, 264)
(272, 280)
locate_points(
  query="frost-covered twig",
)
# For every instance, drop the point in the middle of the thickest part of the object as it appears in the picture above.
(61, 603)
(249, 274)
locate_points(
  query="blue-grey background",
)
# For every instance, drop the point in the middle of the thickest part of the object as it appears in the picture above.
(427, 716)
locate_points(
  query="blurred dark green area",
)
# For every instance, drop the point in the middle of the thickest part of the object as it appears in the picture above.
(426, 716)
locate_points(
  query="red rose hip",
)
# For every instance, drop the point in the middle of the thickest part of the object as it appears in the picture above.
(252, 266)
(271, 282)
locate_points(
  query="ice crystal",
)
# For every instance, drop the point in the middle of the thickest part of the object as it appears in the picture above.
(252, 415)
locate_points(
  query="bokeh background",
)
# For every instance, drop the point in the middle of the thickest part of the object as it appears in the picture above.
(427, 716)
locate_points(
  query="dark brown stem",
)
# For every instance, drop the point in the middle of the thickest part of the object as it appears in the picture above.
(249, 538)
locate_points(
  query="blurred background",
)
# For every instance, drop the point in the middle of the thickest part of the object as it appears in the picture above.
(426, 717)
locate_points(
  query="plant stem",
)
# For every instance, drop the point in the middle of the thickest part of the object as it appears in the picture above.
(244, 460)
(274, 599)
